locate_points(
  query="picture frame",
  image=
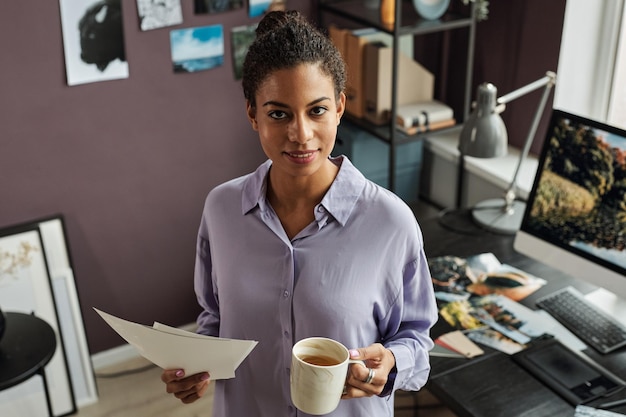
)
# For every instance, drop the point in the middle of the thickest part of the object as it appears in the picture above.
(60, 275)
(26, 287)
(61, 269)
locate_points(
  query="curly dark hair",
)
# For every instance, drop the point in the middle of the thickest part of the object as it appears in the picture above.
(285, 39)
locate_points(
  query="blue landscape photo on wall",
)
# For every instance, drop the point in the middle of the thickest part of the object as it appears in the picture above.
(197, 49)
(260, 7)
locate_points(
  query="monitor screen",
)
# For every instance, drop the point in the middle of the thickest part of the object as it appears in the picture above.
(575, 217)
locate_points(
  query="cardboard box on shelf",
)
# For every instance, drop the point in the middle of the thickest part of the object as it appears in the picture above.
(354, 44)
(415, 83)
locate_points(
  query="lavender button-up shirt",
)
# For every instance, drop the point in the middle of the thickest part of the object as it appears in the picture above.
(357, 274)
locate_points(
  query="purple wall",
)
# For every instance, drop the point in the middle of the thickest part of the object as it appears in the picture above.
(127, 162)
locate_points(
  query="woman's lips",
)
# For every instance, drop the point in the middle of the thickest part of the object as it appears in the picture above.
(301, 157)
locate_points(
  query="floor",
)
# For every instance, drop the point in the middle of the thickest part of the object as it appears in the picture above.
(134, 388)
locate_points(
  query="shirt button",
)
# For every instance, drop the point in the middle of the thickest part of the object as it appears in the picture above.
(320, 209)
(286, 333)
(286, 294)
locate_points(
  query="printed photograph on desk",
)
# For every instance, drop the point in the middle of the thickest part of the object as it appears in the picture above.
(492, 277)
(496, 321)
(479, 295)
(457, 278)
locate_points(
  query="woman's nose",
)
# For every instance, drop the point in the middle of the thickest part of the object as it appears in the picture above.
(300, 130)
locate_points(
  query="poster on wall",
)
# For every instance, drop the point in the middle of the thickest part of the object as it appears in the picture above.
(259, 7)
(215, 6)
(25, 287)
(158, 14)
(93, 41)
(241, 38)
(197, 49)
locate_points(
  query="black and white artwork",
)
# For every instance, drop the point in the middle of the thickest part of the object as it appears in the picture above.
(154, 14)
(93, 41)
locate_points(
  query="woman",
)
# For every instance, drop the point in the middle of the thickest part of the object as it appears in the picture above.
(306, 246)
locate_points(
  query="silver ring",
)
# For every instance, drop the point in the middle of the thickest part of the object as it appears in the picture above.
(370, 376)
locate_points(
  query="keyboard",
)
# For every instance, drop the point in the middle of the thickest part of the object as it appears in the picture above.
(595, 327)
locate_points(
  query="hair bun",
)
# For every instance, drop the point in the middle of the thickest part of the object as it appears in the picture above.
(276, 19)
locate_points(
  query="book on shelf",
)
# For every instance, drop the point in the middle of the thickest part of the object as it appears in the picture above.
(412, 130)
(423, 113)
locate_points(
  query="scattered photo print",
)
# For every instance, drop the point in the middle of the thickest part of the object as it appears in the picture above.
(197, 49)
(241, 38)
(259, 7)
(216, 6)
(154, 14)
(93, 40)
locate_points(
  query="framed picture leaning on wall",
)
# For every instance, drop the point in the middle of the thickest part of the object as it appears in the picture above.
(25, 287)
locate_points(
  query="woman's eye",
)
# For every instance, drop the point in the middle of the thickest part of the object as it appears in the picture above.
(277, 114)
(318, 111)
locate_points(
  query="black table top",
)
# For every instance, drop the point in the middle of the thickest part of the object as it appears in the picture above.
(492, 384)
(27, 346)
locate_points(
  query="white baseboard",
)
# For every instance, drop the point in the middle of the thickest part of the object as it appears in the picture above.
(123, 353)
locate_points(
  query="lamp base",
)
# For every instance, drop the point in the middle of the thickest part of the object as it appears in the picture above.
(490, 215)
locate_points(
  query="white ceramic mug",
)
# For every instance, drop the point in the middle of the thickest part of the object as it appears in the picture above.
(319, 367)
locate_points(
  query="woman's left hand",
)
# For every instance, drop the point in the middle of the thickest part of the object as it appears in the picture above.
(379, 361)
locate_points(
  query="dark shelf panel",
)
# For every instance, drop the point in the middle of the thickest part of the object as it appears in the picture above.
(410, 21)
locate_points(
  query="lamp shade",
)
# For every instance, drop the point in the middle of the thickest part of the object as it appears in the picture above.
(484, 134)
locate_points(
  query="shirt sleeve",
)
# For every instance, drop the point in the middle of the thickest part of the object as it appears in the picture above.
(209, 319)
(408, 324)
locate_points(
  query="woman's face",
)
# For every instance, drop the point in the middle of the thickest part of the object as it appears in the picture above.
(296, 116)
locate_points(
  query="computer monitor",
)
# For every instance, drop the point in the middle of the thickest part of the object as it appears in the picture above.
(575, 217)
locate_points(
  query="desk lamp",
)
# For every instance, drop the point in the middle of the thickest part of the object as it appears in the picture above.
(484, 136)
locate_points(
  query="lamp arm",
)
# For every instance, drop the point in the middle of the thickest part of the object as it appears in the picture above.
(547, 82)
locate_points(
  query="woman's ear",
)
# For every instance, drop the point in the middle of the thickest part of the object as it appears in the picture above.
(341, 106)
(251, 112)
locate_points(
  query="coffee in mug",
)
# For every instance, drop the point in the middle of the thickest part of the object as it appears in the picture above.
(319, 367)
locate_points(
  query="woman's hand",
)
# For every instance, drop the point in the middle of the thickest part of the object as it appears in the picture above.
(377, 358)
(186, 389)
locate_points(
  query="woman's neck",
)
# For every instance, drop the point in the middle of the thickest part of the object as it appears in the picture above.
(294, 198)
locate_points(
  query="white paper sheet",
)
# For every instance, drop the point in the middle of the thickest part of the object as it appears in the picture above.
(172, 348)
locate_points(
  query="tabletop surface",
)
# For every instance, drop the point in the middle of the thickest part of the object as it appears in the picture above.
(27, 345)
(493, 385)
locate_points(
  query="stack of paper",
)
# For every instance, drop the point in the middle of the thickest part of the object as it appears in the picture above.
(172, 348)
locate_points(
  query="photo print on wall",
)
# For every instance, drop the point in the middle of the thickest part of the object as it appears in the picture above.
(154, 14)
(258, 8)
(197, 49)
(241, 38)
(93, 40)
(215, 6)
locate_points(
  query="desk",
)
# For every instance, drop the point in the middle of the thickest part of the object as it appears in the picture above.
(492, 385)
(26, 348)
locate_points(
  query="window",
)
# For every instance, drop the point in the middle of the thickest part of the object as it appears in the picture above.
(587, 83)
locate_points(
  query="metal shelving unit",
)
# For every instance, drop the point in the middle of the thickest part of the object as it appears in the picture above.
(407, 22)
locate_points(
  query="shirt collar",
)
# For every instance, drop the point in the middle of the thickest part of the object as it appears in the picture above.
(339, 200)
